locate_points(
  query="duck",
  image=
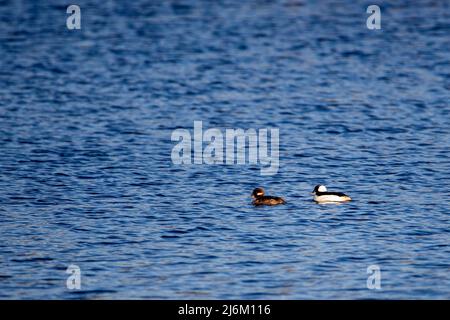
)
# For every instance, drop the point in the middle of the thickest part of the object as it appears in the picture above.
(260, 199)
(322, 195)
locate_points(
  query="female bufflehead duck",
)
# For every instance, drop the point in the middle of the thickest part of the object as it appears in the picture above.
(321, 195)
(261, 199)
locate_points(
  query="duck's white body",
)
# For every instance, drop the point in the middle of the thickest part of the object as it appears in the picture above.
(331, 198)
(321, 195)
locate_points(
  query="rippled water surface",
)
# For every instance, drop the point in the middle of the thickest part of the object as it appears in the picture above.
(86, 176)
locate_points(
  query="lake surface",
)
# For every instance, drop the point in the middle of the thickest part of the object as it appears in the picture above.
(86, 176)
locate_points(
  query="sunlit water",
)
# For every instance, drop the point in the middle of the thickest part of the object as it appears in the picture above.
(86, 176)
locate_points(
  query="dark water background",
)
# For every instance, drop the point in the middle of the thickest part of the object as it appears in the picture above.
(86, 176)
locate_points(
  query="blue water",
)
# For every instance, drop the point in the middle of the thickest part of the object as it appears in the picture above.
(86, 176)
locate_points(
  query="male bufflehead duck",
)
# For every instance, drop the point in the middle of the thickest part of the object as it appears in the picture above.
(261, 199)
(321, 195)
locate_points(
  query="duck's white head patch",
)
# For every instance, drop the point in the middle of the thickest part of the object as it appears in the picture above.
(322, 189)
